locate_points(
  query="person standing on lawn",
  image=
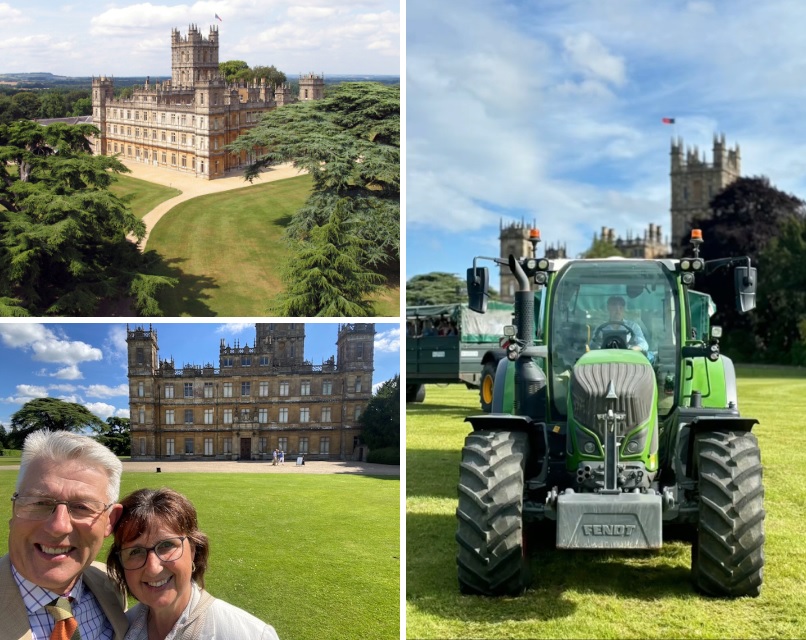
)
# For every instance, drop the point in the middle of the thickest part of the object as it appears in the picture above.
(160, 557)
(64, 505)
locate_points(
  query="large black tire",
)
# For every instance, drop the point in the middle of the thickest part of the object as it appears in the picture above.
(491, 554)
(487, 386)
(415, 392)
(727, 556)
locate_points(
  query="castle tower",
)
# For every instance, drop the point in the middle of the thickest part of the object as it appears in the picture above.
(103, 92)
(194, 58)
(143, 365)
(283, 342)
(311, 87)
(514, 240)
(695, 183)
(282, 94)
(355, 347)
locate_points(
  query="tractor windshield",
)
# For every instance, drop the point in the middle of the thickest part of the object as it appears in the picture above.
(616, 304)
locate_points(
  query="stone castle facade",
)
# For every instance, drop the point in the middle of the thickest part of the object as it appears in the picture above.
(185, 123)
(257, 399)
(695, 182)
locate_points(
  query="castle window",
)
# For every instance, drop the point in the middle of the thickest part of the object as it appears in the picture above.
(246, 361)
(169, 416)
(283, 415)
(263, 389)
(304, 414)
(140, 389)
(169, 447)
(327, 387)
(162, 118)
(359, 351)
(163, 136)
(208, 389)
(227, 389)
(188, 389)
(226, 361)
(169, 391)
(136, 115)
(128, 131)
(173, 136)
(244, 415)
(261, 445)
(140, 356)
(184, 139)
(283, 388)
(263, 415)
(227, 445)
(142, 446)
(325, 414)
(264, 361)
(188, 416)
(164, 158)
(303, 445)
(208, 446)
(305, 388)
(246, 388)
(358, 384)
(208, 416)
(357, 413)
(141, 414)
(227, 416)
(324, 445)
(184, 161)
(173, 159)
(189, 446)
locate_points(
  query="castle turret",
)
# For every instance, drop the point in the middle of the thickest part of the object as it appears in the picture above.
(142, 351)
(194, 58)
(311, 87)
(514, 239)
(103, 92)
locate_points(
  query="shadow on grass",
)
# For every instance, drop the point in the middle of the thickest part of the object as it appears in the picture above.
(432, 587)
(189, 295)
(282, 221)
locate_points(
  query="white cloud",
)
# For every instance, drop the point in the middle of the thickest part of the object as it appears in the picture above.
(592, 57)
(101, 409)
(71, 372)
(234, 327)
(388, 341)
(104, 391)
(26, 392)
(11, 15)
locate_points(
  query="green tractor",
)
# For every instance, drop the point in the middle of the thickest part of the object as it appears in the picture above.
(614, 415)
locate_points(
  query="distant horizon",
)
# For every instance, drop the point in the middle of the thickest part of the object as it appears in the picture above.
(168, 76)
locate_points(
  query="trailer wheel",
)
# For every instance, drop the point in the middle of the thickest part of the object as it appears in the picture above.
(487, 386)
(415, 393)
(727, 556)
(491, 554)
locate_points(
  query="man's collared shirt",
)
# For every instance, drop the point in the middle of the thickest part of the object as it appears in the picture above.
(92, 622)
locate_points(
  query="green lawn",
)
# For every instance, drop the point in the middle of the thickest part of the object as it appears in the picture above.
(142, 196)
(605, 595)
(316, 556)
(227, 249)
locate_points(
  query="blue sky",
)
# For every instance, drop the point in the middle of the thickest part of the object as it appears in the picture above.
(86, 363)
(551, 111)
(79, 38)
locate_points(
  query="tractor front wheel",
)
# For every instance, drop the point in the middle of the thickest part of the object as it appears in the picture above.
(415, 392)
(727, 556)
(487, 386)
(491, 555)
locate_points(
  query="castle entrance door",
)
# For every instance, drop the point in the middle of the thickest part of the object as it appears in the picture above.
(246, 448)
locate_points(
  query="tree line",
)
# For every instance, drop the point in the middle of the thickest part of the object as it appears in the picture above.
(16, 104)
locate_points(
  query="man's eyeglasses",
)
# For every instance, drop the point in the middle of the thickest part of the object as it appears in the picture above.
(167, 550)
(38, 508)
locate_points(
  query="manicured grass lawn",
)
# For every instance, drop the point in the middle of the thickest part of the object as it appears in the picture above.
(227, 250)
(142, 196)
(605, 595)
(316, 556)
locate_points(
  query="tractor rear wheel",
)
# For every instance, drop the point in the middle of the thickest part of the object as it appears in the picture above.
(487, 386)
(727, 556)
(491, 555)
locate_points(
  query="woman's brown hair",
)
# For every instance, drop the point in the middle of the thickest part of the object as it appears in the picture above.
(146, 509)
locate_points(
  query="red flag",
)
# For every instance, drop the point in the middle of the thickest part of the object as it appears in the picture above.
(218, 17)
(667, 120)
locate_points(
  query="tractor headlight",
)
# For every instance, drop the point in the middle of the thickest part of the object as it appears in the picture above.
(541, 277)
(589, 448)
(697, 265)
(688, 278)
(543, 264)
(531, 264)
(685, 265)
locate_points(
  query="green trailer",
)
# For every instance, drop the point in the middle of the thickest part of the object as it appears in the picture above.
(452, 344)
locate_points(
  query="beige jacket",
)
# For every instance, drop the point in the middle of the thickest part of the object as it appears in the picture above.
(14, 617)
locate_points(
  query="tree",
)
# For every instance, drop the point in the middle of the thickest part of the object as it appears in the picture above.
(380, 421)
(601, 248)
(24, 106)
(52, 414)
(273, 76)
(115, 435)
(747, 216)
(63, 234)
(3, 437)
(349, 143)
(82, 107)
(435, 288)
(52, 105)
(233, 70)
(326, 278)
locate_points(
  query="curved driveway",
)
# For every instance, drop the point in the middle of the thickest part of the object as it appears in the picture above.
(192, 187)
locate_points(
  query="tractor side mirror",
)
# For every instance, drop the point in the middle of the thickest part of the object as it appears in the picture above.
(745, 285)
(478, 284)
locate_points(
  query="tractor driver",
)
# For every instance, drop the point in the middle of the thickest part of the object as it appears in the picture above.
(636, 339)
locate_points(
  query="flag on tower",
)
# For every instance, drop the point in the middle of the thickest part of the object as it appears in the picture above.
(667, 120)
(218, 17)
